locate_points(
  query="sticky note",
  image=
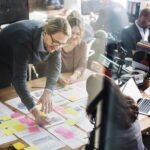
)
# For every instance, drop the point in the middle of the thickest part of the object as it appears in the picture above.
(39, 106)
(11, 123)
(42, 113)
(16, 115)
(27, 121)
(19, 127)
(19, 146)
(5, 118)
(72, 98)
(58, 108)
(66, 133)
(33, 129)
(71, 111)
(31, 148)
(8, 131)
(70, 122)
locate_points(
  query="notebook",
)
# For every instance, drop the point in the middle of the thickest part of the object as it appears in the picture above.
(130, 89)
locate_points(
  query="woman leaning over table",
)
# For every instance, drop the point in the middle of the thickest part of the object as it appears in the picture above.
(74, 53)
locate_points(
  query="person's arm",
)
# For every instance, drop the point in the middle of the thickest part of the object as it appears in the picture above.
(82, 63)
(53, 72)
(22, 52)
(127, 42)
(20, 66)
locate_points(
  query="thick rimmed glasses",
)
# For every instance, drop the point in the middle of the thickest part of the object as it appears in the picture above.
(55, 42)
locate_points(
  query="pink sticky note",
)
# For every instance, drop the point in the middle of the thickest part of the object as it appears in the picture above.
(33, 129)
(64, 132)
(27, 121)
(16, 115)
(58, 108)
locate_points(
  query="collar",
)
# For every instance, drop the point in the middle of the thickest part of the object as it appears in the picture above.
(144, 32)
(41, 44)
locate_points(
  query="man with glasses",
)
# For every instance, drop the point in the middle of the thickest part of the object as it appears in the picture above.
(31, 42)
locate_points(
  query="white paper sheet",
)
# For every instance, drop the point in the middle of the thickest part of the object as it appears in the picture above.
(43, 141)
(54, 119)
(17, 104)
(57, 99)
(70, 135)
(72, 93)
(5, 139)
(4, 110)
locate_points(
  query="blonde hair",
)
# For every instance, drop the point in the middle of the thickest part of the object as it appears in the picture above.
(57, 24)
(75, 19)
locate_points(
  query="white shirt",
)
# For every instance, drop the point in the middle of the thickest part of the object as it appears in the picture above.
(143, 34)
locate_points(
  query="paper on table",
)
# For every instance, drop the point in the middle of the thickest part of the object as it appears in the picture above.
(70, 135)
(72, 93)
(37, 94)
(4, 110)
(70, 111)
(6, 139)
(54, 119)
(85, 124)
(16, 103)
(29, 131)
(57, 99)
(43, 140)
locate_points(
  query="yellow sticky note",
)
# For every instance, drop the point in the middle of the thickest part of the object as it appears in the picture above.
(70, 122)
(3, 126)
(19, 146)
(31, 148)
(39, 106)
(71, 111)
(4, 118)
(19, 127)
(43, 114)
(72, 98)
(8, 131)
(11, 123)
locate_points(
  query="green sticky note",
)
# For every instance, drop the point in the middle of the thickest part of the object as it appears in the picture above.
(70, 122)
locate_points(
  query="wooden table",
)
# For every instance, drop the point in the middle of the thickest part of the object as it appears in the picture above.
(8, 93)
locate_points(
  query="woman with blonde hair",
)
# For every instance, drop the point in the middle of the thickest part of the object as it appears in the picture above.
(75, 51)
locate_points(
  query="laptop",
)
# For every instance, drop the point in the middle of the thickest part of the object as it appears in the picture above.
(130, 89)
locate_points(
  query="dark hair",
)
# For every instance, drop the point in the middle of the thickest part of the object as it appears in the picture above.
(117, 108)
(145, 12)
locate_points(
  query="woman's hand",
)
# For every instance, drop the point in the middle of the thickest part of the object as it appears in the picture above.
(63, 81)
